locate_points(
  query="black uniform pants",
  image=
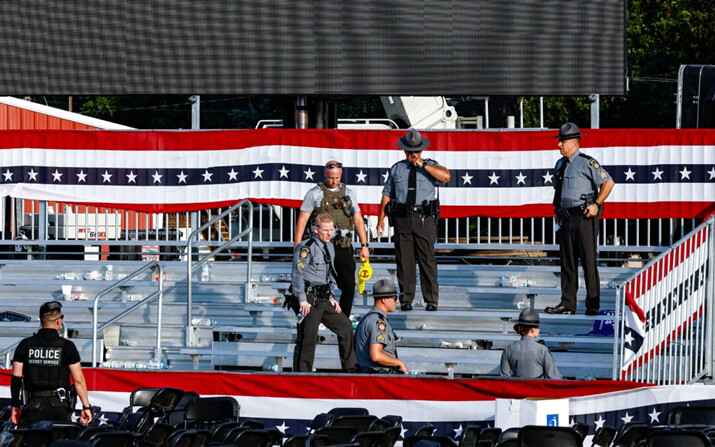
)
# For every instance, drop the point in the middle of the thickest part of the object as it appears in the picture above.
(578, 239)
(323, 312)
(415, 242)
(45, 409)
(345, 268)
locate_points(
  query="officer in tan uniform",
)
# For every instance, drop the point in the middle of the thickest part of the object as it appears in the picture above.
(339, 202)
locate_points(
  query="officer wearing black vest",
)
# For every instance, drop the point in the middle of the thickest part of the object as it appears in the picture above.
(340, 203)
(46, 361)
(581, 185)
(411, 192)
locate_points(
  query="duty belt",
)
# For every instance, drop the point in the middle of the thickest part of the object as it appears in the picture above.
(320, 293)
(59, 392)
(401, 208)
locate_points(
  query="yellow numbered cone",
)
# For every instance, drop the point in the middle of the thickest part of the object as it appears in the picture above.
(364, 274)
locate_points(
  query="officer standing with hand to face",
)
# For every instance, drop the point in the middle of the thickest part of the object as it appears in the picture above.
(581, 186)
(312, 284)
(410, 191)
(46, 361)
(339, 202)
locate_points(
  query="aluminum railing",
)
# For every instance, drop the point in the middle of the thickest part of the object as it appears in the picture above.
(158, 294)
(191, 265)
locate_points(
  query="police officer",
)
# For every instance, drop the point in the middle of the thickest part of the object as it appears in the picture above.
(527, 358)
(374, 338)
(340, 202)
(410, 190)
(46, 361)
(312, 284)
(581, 186)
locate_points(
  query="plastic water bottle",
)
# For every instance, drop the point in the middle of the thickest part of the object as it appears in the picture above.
(91, 276)
(202, 322)
(205, 272)
(272, 368)
(68, 275)
(108, 272)
(156, 364)
(417, 372)
(299, 318)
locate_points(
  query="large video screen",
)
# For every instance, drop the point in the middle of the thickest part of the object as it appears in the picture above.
(313, 47)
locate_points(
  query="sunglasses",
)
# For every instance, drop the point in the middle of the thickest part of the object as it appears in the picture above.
(61, 317)
(333, 165)
(390, 298)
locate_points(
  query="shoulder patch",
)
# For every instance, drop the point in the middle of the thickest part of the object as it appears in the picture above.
(304, 252)
(594, 163)
(381, 326)
(300, 265)
(603, 175)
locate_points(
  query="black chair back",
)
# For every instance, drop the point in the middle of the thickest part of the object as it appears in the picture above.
(361, 423)
(368, 438)
(390, 436)
(441, 441)
(345, 411)
(209, 411)
(337, 435)
(603, 436)
(491, 434)
(543, 436)
(677, 438)
(631, 434)
(691, 416)
(470, 436)
(425, 430)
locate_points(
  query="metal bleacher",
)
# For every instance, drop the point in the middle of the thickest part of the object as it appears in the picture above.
(463, 339)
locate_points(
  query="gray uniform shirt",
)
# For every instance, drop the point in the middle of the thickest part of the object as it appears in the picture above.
(398, 180)
(374, 328)
(528, 359)
(312, 199)
(310, 267)
(583, 175)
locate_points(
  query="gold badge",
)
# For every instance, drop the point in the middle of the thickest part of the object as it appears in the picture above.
(304, 252)
(603, 175)
(595, 164)
(381, 326)
(380, 338)
(300, 265)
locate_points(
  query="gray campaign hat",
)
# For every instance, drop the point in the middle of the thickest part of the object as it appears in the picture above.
(568, 131)
(413, 141)
(384, 288)
(527, 317)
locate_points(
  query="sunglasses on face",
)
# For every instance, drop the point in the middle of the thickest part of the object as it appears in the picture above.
(61, 317)
(333, 165)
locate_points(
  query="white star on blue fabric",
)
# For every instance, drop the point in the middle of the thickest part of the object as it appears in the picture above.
(258, 172)
(385, 176)
(157, 177)
(458, 431)
(466, 178)
(56, 176)
(309, 174)
(627, 418)
(131, 177)
(207, 176)
(657, 174)
(628, 338)
(102, 419)
(712, 173)
(283, 427)
(81, 177)
(182, 177)
(630, 175)
(33, 174)
(361, 176)
(599, 422)
(521, 178)
(233, 175)
(685, 174)
(284, 172)
(107, 177)
(548, 178)
(654, 416)
(494, 178)
(8, 175)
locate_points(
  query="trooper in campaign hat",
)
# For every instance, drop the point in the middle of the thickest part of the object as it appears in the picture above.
(411, 201)
(527, 358)
(374, 337)
(568, 131)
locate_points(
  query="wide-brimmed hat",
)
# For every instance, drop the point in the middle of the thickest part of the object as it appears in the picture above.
(527, 317)
(384, 288)
(413, 141)
(568, 131)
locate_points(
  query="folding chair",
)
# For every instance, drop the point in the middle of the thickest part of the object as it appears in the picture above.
(631, 434)
(603, 436)
(361, 422)
(345, 411)
(677, 438)
(207, 412)
(543, 436)
(470, 435)
(337, 435)
(691, 416)
(367, 438)
(441, 441)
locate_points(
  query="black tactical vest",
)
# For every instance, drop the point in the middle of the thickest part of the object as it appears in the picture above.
(43, 369)
(337, 205)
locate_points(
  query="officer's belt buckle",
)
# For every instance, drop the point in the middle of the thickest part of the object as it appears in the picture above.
(61, 393)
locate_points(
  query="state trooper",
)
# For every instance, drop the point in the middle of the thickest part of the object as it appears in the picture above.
(374, 337)
(410, 193)
(312, 285)
(581, 185)
(46, 362)
(339, 202)
(527, 358)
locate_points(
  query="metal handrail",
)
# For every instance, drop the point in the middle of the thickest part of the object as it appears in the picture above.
(190, 267)
(159, 293)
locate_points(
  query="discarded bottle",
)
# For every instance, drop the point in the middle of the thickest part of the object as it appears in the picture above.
(608, 284)
(68, 275)
(299, 318)
(108, 273)
(417, 372)
(91, 276)
(156, 364)
(273, 368)
(205, 273)
(130, 342)
(513, 281)
(134, 297)
(202, 322)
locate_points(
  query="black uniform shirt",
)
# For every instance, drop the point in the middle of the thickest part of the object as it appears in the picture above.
(46, 358)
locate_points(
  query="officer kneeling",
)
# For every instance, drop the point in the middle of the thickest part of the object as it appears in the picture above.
(527, 358)
(374, 337)
(46, 361)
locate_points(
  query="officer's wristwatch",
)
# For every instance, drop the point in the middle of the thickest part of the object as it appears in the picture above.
(366, 244)
(86, 407)
(599, 205)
